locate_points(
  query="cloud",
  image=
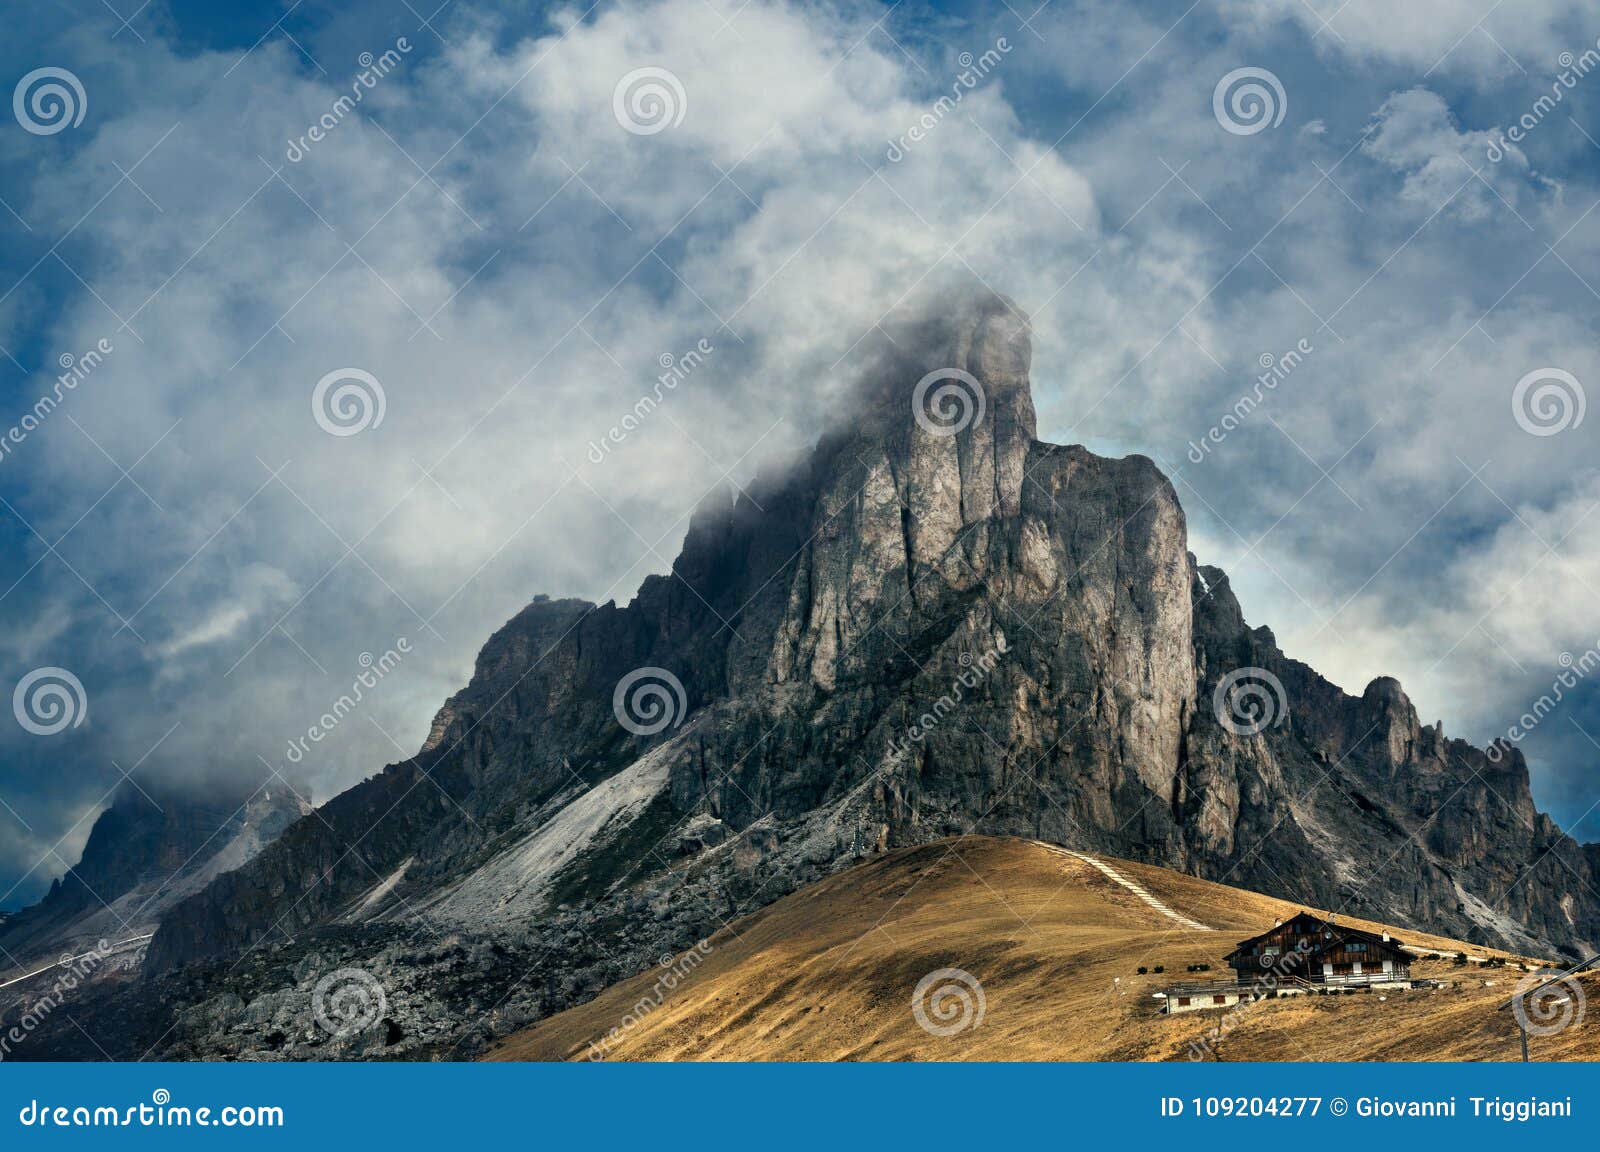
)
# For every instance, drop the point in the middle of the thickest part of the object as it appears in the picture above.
(1415, 134)
(1454, 36)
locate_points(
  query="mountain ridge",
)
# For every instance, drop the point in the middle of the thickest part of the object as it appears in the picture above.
(810, 628)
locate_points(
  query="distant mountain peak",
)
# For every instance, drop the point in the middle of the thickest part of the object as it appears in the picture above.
(153, 843)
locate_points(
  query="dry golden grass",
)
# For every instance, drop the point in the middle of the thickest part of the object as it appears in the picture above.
(828, 974)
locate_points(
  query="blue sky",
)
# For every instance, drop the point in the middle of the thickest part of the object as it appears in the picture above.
(484, 237)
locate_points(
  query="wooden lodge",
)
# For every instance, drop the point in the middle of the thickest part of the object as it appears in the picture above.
(1320, 951)
(1303, 955)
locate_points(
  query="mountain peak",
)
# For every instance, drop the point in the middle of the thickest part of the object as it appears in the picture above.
(934, 625)
(960, 366)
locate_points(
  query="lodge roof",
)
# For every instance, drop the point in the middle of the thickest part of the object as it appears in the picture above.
(1340, 933)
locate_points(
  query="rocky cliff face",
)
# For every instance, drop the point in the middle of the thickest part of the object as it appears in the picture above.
(936, 624)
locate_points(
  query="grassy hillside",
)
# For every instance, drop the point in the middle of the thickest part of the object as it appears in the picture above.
(829, 972)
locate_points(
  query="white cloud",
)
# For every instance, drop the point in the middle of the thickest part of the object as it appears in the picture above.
(1414, 134)
(1457, 36)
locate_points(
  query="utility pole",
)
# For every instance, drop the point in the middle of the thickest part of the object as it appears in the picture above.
(1568, 976)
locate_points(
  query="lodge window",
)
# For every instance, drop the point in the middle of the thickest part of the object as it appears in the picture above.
(1355, 947)
(1219, 999)
(1271, 950)
(1183, 1001)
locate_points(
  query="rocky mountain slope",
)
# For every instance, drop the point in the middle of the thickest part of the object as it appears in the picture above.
(935, 624)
